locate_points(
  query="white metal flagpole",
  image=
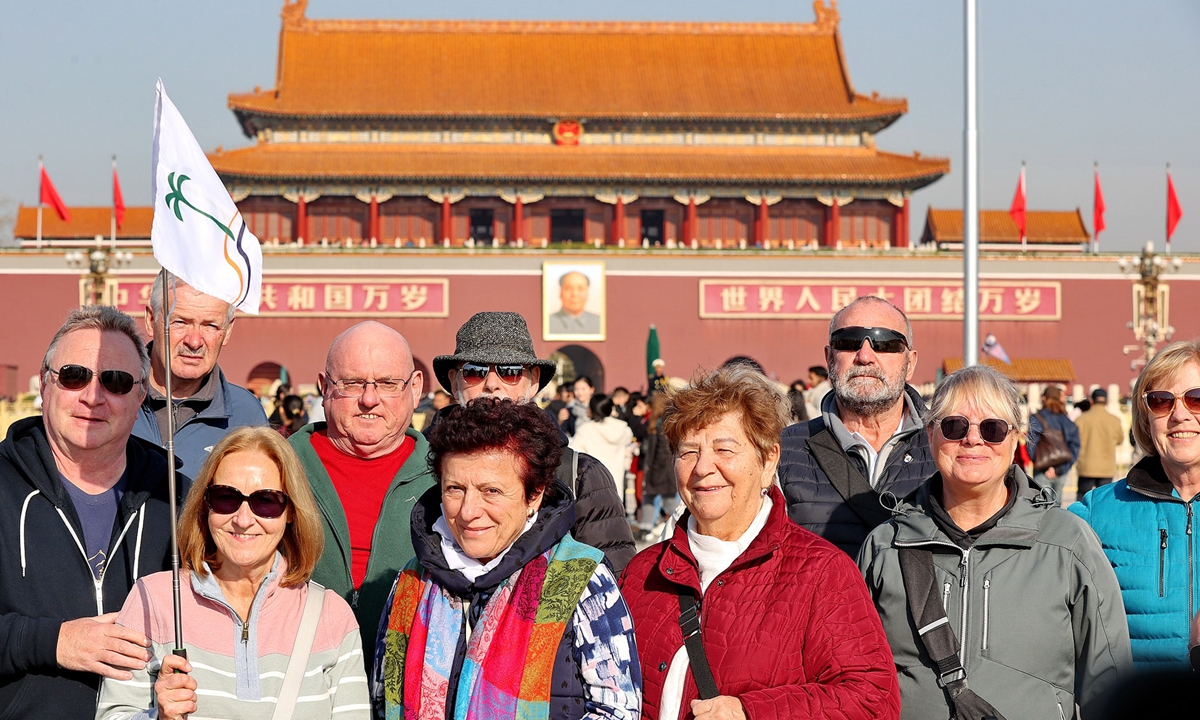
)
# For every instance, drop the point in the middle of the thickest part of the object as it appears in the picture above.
(41, 171)
(970, 193)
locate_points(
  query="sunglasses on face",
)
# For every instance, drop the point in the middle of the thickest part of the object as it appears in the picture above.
(226, 500)
(1162, 402)
(992, 431)
(883, 340)
(474, 373)
(77, 377)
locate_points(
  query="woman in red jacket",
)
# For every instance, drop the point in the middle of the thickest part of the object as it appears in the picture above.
(785, 620)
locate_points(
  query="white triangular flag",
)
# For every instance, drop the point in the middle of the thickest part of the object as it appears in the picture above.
(198, 233)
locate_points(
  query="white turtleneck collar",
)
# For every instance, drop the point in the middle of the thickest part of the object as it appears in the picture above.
(713, 555)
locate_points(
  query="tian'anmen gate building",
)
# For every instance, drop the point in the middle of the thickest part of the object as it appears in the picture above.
(536, 133)
(723, 182)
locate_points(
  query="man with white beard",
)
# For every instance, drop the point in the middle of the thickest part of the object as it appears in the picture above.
(869, 438)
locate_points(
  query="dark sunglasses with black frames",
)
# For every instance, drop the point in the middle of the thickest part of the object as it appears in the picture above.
(992, 431)
(883, 340)
(225, 500)
(473, 374)
(77, 377)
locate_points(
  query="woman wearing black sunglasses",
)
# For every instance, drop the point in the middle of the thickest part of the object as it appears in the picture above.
(1148, 522)
(981, 570)
(249, 537)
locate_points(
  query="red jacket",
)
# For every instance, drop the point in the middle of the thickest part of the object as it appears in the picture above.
(789, 628)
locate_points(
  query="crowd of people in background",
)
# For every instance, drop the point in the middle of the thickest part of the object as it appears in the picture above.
(839, 547)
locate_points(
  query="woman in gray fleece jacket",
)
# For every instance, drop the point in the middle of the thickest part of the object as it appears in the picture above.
(1031, 600)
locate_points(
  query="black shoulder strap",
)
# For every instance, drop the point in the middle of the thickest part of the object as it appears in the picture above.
(689, 623)
(568, 469)
(846, 478)
(920, 589)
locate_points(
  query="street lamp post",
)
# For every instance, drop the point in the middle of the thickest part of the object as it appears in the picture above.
(1150, 303)
(94, 286)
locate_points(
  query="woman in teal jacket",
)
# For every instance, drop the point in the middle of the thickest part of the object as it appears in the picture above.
(1145, 522)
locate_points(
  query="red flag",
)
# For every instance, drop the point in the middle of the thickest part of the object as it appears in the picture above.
(1018, 204)
(1174, 212)
(1098, 210)
(49, 196)
(118, 201)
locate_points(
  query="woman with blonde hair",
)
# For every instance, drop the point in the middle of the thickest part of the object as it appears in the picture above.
(1146, 522)
(996, 601)
(259, 635)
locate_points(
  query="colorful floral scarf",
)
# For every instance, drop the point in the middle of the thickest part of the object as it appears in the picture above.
(507, 679)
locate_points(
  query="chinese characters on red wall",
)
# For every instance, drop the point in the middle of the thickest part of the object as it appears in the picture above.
(801, 299)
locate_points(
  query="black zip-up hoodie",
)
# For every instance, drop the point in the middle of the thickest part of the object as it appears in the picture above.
(45, 578)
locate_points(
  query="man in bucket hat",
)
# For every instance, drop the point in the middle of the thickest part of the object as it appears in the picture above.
(494, 356)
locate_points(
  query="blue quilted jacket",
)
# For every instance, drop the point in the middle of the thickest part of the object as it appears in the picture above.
(1147, 533)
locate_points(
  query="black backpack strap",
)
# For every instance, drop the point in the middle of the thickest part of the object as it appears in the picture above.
(568, 470)
(689, 623)
(845, 477)
(920, 589)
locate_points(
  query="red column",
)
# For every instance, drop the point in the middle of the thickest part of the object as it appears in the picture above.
(763, 222)
(833, 231)
(619, 221)
(898, 226)
(904, 224)
(447, 229)
(690, 227)
(518, 229)
(301, 228)
(373, 222)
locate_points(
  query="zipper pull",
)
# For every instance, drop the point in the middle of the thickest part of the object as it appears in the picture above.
(245, 632)
(962, 571)
(1162, 534)
(354, 599)
(1189, 524)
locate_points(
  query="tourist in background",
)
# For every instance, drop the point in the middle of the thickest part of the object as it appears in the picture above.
(1053, 415)
(659, 490)
(1100, 435)
(607, 439)
(1145, 522)
(1016, 591)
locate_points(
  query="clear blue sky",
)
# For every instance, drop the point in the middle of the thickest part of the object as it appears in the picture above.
(1062, 84)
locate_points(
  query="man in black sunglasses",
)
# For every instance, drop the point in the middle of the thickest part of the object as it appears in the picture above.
(84, 512)
(494, 356)
(206, 405)
(868, 439)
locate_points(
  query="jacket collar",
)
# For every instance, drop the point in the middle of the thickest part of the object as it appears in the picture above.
(1148, 478)
(554, 521)
(28, 449)
(678, 564)
(207, 587)
(1019, 527)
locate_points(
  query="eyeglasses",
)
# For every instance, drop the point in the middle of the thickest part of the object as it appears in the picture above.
(384, 387)
(1162, 403)
(77, 377)
(992, 431)
(474, 373)
(226, 500)
(883, 340)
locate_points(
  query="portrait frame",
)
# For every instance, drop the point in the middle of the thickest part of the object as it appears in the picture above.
(592, 323)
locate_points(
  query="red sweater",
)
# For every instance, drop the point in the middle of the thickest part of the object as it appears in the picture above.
(789, 629)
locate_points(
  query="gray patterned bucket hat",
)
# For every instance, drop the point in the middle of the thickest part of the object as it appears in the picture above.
(493, 338)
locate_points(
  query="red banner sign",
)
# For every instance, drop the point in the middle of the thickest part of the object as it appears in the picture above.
(820, 299)
(377, 297)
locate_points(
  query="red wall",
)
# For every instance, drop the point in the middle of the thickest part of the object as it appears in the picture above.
(1091, 332)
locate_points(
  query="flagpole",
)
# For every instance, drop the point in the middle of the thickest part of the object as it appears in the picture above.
(1095, 232)
(171, 480)
(112, 225)
(970, 195)
(41, 169)
(1168, 200)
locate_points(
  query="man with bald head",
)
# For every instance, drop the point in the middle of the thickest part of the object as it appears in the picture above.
(367, 467)
(869, 438)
